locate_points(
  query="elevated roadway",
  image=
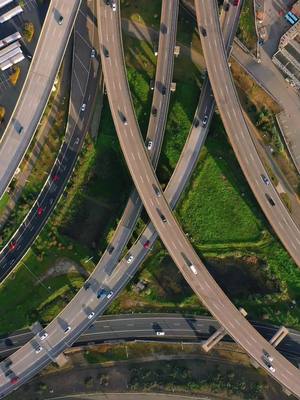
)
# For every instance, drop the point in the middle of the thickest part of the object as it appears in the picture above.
(25, 363)
(161, 215)
(83, 90)
(177, 328)
(237, 129)
(37, 87)
(155, 132)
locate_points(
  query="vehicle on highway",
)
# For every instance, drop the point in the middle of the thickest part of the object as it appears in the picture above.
(265, 179)
(107, 2)
(12, 245)
(93, 53)
(37, 348)
(91, 314)
(101, 294)
(196, 122)
(152, 84)
(60, 20)
(163, 90)
(235, 2)
(20, 130)
(114, 6)
(146, 245)
(130, 259)
(83, 107)
(124, 120)
(162, 217)
(87, 285)
(193, 269)
(67, 329)
(109, 294)
(270, 200)
(160, 333)
(203, 31)
(149, 144)
(110, 249)
(43, 335)
(55, 178)
(105, 52)
(205, 119)
(154, 111)
(156, 190)
(267, 356)
(155, 50)
(40, 211)
(76, 141)
(270, 366)
(14, 380)
(226, 6)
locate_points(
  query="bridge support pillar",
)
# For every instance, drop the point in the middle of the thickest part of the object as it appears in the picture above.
(279, 336)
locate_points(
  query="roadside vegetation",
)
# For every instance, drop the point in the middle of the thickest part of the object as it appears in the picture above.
(28, 31)
(246, 30)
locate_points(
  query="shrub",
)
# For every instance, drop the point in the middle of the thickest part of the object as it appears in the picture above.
(28, 31)
(14, 76)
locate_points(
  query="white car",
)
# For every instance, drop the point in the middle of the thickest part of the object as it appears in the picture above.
(93, 53)
(43, 335)
(83, 107)
(160, 333)
(271, 368)
(38, 349)
(193, 269)
(149, 144)
(114, 6)
(130, 259)
(110, 294)
(204, 121)
(90, 316)
(76, 141)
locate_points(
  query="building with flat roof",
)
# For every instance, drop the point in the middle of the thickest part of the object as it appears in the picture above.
(287, 57)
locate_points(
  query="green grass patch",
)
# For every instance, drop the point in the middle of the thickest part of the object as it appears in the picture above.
(143, 12)
(105, 354)
(246, 29)
(3, 202)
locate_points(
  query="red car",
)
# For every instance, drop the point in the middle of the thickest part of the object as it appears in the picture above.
(40, 210)
(55, 178)
(236, 2)
(12, 245)
(14, 380)
(147, 245)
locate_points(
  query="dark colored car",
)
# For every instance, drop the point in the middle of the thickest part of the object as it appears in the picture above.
(156, 190)
(105, 52)
(60, 20)
(87, 285)
(154, 111)
(101, 294)
(163, 90)
(146, 244)
(110, 249)
(203, 31)
(226, 6)
(163, 218)
(196, 123)
(270, 200)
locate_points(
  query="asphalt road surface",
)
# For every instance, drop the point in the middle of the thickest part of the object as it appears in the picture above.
(177, 328)
(161, 216)
(83, 90)
(238, 132)
(37, 87)
(236, 127)
(25, 362)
